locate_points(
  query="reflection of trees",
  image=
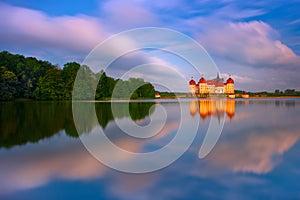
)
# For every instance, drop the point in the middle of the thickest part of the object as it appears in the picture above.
(214, 108)
(29, 122)
(22, 122)
(137, 111)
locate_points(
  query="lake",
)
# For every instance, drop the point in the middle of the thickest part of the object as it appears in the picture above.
(255, 157)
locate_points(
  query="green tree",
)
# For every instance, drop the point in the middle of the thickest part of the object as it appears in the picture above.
(105, 86)
(27, 70)
(69, 73)
(147, 90)
(50, 86)
(8, 82)
(289, 92)
(277, 92)
(85, 85)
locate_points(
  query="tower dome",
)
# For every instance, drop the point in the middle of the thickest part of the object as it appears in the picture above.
(229, 80)
(202, 80)
(192, 82)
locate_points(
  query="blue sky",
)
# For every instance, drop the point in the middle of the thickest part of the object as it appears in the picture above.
(258, 43)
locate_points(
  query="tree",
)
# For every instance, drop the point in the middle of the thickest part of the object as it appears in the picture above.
(27, 70)
(277, 92)
(85, 85)
(147, 90)
(105, 86)
(8, 82)
(50, 86)
(289, 92)
(69, 73)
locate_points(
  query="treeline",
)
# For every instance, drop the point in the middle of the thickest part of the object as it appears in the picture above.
(30, 78)
(276, 93)
(287, 92)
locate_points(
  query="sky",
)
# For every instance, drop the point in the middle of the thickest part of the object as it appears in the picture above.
(256, 42)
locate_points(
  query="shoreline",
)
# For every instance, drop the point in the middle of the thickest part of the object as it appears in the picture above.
(147, 100)
(268, 97)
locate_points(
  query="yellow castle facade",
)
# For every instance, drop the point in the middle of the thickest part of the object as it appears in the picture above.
(214, 87)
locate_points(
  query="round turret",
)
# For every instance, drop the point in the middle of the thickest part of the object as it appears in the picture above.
(229, 80)
(192, 82)
(202, 80)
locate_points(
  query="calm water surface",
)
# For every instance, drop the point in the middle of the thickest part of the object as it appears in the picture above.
(256, 157)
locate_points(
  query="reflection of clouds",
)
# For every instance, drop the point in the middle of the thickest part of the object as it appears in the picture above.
(172, 123)
(61, 157)
(255, 140)
(130, 184)
(168, 128)
(256, 152)
(34, 165)
(243, 116)
(254, 143)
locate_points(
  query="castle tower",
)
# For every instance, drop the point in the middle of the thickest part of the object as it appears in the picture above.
(229, 86)
(192, 87)
(203, 90)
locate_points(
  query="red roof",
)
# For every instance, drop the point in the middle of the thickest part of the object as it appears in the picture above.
(229, 80)
(215, 83)
(202, 80)
(192, 82)
(211, 82)
(219, 84)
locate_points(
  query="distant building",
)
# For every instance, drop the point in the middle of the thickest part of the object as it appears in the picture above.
(214, 87)
(246, 96)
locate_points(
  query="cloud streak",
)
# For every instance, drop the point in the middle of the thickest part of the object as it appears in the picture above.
(248, 43)
(32, 28)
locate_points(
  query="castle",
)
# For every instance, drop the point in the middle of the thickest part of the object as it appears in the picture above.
(211, 88)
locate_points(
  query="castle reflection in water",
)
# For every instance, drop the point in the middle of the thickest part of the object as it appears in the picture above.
(206, 108)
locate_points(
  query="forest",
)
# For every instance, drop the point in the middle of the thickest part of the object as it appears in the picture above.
(29, 78)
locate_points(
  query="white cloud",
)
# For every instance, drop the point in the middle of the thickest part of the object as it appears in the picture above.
(122, 15)
(240, 79)
(250, 43)
(36, 29)
(230, 12)
(152, 69)
(294, 22)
